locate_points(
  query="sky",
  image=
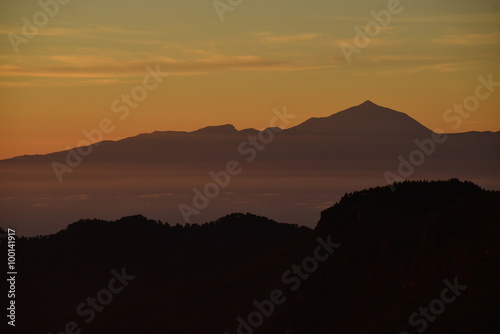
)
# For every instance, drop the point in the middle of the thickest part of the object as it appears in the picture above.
(67, 77)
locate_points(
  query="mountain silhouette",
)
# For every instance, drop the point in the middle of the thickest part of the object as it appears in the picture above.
(311, 164)
(364, 119)
(352, 125)
(395, 251)
(359, 121)
(217, 130)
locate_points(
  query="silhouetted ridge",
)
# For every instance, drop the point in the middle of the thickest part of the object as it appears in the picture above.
(367, 118)
(382, 206)
(368, 104)
(244, 219)
(89, 225)
(218, 129)
(139, 222)
(397, 248)
(406, 195)
(76, 261)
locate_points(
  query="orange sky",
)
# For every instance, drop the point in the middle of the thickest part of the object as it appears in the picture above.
(263, 55)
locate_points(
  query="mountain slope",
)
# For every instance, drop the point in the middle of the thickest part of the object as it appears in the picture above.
(367, 118)
(396, 250)
(155, 173)
(62, 270)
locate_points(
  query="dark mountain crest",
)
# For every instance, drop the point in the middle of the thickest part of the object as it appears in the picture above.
(217, 129)
(410, 200)
(140, 222)
(453, 187)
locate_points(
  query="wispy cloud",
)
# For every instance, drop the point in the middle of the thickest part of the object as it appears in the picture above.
(441, 68)
(491, 17)
(105, 67)
(268, 37)
(402, 58)
(374, 42)
(104, 70)
(492, 38)
(93, 31)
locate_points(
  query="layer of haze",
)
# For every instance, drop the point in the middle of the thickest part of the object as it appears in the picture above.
(265, 54)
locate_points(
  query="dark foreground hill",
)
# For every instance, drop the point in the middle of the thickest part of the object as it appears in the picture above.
(60, 271)
(428, 252)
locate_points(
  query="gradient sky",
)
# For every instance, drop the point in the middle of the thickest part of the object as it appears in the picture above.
(265, 54)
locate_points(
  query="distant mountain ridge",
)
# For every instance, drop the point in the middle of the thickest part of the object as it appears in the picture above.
(367, 118)
(353, 148)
